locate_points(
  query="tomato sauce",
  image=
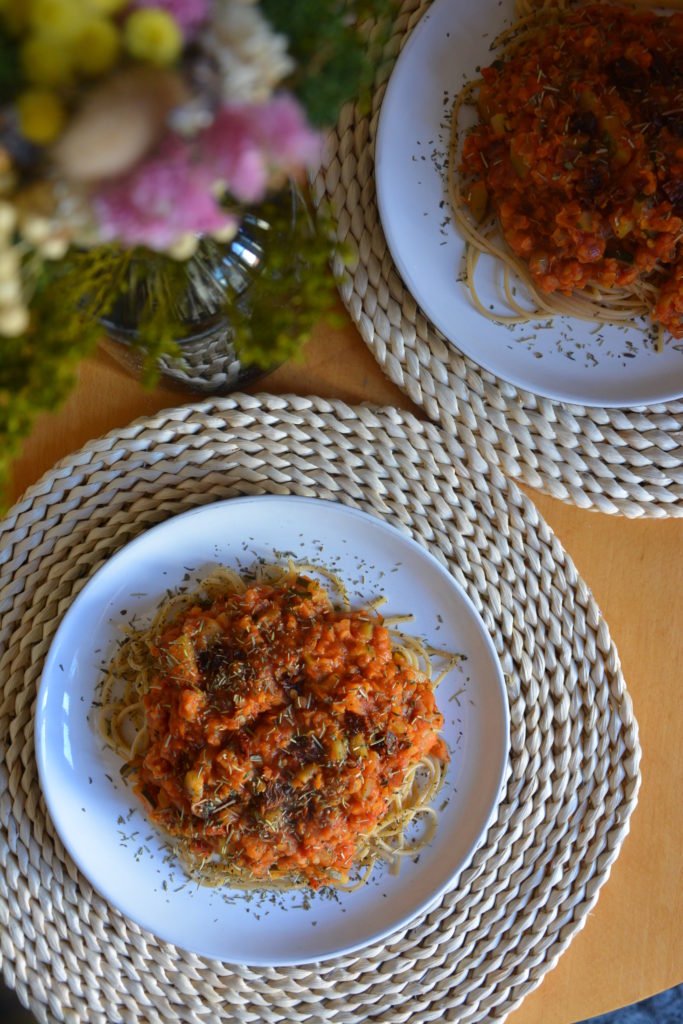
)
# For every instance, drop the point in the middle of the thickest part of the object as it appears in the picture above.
(579, 152)
(279, 729)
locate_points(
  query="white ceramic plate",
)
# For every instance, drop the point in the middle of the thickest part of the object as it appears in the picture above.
(567, 360)
(98, 817)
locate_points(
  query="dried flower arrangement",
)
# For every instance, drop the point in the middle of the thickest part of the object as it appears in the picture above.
(136, 129)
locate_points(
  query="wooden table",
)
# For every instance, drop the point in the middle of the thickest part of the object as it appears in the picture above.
(631, 945)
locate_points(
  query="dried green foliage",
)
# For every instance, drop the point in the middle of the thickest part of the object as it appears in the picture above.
(271, 319)
(336, 45)
(10, 71)
(38, 370)
(277, 313)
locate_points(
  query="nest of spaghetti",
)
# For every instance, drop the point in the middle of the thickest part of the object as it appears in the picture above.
(278, 740)
(572, 174)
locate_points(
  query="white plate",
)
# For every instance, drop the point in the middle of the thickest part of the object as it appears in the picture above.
(97, 816)
(567, 360)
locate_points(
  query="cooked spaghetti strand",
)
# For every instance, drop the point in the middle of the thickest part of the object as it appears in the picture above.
(571, 177)
(278, 740)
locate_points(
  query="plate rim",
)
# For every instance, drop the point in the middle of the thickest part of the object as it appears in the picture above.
(500, 691)
(675, 393)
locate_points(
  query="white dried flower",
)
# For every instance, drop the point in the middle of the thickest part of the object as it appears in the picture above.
(190, 118)
(14, 315)
(225, 234)
(184, 247)
(10, 263)
(8, 219)
(36, 230)
(251, 58)
(13, 320)
(10, 292)
(73, 217)
(54, 248)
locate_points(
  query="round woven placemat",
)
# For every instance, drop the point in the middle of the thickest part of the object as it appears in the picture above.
(627, 461)
(574, 761)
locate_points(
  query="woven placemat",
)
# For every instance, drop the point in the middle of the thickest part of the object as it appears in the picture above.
(627, 461)
(574, 761)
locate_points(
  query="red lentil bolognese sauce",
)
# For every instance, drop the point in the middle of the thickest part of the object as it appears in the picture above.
(578, 155)
(276, 738)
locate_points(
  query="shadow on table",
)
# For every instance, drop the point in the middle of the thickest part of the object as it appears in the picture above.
(11, 1010)
(665, 1008)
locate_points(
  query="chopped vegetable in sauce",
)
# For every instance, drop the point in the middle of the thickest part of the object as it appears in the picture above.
(579, 153)
(279, 729)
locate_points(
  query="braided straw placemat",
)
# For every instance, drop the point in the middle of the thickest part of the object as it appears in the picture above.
(574, 759)
(626, 461)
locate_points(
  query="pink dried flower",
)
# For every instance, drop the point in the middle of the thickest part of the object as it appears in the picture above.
(160, 200)
(175, 191)
(249, 143)
(286, 135)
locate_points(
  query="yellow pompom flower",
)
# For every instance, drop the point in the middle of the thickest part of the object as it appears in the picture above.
(152, 34)
(106, 6)
(96, 48)
(41, 116)
(60, 18)
(45, 61)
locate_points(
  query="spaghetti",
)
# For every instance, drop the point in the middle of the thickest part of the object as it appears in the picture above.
(572, 176)
(277, 740)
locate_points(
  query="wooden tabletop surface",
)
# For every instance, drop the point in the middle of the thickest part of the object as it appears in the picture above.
(631, 945)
